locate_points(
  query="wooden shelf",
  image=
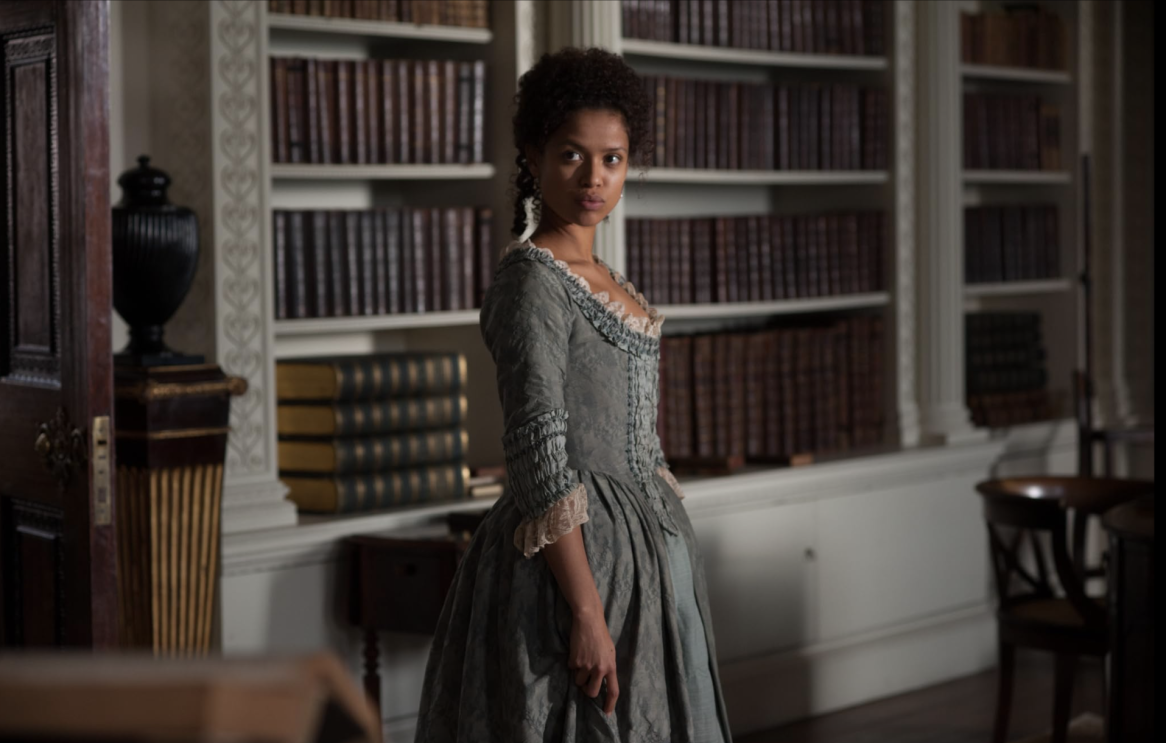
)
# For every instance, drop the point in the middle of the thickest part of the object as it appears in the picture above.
(378, 29)
(1018, 288)
(1017, 177)
(1015, 74)
(477, 171)
(786, 307)
(340, 325)
(703, 176)
(753, 57)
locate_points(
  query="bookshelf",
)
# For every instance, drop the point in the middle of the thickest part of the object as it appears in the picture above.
(643, 48)
(1053, 298)
(295, 171)
(354, 28)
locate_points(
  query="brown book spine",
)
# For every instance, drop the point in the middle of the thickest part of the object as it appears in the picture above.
(311, 110)
(280, 244)
(733, 102)
(671, 157)
(380, 248)
(297, 261)
(785, 342)
(318, 302)
(354, 262)
(775, 249)
(834, 237)
(756, 277)
(451, 263)
(660, 262)
(449, 90)
(435, 259)
(402, 82)
(722, 391)
(360, 111)
(673, 264)
(374, 110)
(326, 108)
(465, 249)
(841, 385)
(337, 265)
(279, 110)
(394, 261)
(368, 288)
(433, 118)
(408, 272)
(297, 145)
(418, 137)
(387, 100)
(422, 300)
(465, 87)
(721, 226)
(485, 251)
(804, 376)
(345, 147)
(479, 120)
(755, 408)
(703, 267)
(687, 295)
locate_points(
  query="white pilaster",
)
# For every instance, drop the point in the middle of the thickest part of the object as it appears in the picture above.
(941, 318)
(904, 236)
(253, 497)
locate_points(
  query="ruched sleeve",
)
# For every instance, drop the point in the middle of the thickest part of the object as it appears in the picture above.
(526, 323)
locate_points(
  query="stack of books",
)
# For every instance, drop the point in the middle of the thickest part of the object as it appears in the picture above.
(785, 395)
(1011, 132)
(1007, 376)
(1023, 36)
(360, 433)
(760, 258)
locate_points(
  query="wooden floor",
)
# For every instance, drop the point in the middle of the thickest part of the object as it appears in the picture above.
(960, 711)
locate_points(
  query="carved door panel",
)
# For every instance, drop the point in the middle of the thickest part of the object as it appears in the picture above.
(58, 579)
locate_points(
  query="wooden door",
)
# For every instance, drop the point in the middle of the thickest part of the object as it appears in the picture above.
(58, 580)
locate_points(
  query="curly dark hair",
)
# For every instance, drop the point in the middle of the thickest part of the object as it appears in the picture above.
(566, 81)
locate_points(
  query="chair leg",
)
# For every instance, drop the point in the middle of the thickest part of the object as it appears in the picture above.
(1066, 666)
(1004, 691)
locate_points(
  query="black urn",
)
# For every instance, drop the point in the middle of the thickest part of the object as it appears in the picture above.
(155, 255)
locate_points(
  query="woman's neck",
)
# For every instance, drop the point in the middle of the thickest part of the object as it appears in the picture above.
(572, 243)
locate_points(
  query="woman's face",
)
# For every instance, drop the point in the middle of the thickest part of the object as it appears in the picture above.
(582, 169)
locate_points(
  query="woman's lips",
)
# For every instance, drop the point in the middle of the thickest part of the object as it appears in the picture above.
(591, 204)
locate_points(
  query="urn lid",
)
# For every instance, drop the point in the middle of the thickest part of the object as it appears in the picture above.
(143, 185)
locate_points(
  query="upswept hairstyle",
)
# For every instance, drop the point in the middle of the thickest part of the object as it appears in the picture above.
(566, 81)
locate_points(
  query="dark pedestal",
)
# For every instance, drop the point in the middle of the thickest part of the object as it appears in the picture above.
(170, 429)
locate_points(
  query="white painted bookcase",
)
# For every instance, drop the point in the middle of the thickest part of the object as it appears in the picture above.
(831, 584)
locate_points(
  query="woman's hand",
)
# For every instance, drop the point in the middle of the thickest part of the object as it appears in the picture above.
(592, 657)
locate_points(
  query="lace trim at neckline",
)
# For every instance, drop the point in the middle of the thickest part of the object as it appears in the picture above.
(649, 325)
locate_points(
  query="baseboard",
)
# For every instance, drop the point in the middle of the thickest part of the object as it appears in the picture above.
(766, 692)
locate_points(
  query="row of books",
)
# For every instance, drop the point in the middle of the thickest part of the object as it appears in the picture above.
(1024, 36)
(471, 13)
(1011, 132)
(801, 26)
(776, 395)
(759, 258)
(369, 111)
(747, 126)
(359, 433)
(1011, 243)
(1006, 371)
(344, 263)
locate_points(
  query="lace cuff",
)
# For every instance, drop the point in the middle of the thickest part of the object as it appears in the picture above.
(669, 478)
(567, 513)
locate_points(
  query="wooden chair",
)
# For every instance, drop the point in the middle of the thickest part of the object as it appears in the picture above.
(1035, 523)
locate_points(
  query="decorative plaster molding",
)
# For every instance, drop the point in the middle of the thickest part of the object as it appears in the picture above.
(243, 330)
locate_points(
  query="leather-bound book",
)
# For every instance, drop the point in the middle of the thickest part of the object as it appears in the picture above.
(354, 263)
(682, 381)
(704, 396)
(280, 246)
(721, 252)
(833, 227)
(723, 394)
(338, 265)
(403, 82)
(755, 393)
(672, 261)
(815, 254)
(312, 110)
(479, 121)
(771, 384)
(297, 261)
(451, 264)
(393, 261)
(374, 112)
(435, 260)
(753, 275)
(297, 110)
(449, 91)
(318, 264)
(874, 22)
(368, 263)
(700, 115)
(671, 156)
(279, 110)
(345, 147)
(361, 493)
(418, 260)
(485, 251)
(418, 135)
(463, 145)
(786, 354)
(803, 381)
(774, 246)
(371, 377)
(380, 248)
(464, 217)
(408, 272)
(703, 264)
(345, 456)
(433, 114)
(841, 385)
(326, 108)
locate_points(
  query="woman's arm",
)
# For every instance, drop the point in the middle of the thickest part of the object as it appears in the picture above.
(592, 651)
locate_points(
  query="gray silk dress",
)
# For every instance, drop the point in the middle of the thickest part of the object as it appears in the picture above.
(578, 380)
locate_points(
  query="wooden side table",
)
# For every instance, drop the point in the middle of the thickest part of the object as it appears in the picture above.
(1131, 621)
(397, 582)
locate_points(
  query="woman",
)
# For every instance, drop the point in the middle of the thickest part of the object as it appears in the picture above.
(579, 612)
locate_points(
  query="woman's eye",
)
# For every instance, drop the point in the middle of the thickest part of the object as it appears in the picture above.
(613, 159)
(569, 155)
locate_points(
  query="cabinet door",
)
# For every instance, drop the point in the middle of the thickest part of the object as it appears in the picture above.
(891, 556)
(760, 577)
